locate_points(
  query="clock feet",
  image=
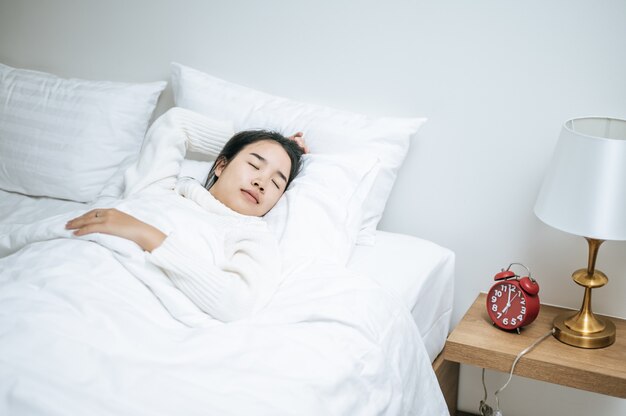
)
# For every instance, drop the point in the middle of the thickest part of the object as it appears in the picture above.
(516, 330)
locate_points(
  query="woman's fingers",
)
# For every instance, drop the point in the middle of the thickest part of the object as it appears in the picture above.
(95, 216)
(88, 229)
(302, 144)
(299, 139)
(80, 219)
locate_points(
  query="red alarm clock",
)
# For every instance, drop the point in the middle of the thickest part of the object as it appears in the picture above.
(513, 302)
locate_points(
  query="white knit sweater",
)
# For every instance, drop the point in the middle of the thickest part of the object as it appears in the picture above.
(226, 263)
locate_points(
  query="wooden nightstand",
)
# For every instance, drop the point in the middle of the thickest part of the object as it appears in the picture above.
(476, 341)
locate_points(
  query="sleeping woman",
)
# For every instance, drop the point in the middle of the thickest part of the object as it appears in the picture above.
(209, 240)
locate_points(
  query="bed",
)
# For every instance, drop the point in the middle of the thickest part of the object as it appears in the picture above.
(353, 329)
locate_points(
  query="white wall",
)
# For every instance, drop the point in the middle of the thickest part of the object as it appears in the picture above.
(496, 78)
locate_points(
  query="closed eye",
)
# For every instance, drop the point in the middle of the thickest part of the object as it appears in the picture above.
(275, 184)
(254, 166)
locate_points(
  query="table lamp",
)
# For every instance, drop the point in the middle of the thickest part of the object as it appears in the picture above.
(584, 193)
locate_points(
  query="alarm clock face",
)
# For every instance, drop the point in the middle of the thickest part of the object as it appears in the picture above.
(506, 305)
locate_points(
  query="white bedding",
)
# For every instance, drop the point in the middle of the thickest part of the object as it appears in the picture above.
(79, 334)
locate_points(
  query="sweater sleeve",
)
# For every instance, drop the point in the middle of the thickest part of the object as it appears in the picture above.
(232, 289)
(166, 143)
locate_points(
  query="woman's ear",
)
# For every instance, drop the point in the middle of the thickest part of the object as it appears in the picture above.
(220, 164)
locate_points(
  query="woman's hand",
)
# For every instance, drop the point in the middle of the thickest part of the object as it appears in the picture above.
(299, 138)
(118, 223)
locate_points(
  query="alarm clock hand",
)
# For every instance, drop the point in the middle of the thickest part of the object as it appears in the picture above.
(508, 303)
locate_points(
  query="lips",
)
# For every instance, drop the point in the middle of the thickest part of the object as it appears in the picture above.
(251, 196)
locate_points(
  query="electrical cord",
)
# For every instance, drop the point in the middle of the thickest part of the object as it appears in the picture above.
(484, 408)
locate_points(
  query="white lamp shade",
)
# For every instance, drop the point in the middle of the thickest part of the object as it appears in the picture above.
(584, 191)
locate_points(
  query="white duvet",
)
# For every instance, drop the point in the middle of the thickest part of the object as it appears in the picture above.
(85, 336)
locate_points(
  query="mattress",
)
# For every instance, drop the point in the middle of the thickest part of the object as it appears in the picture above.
(418, 272)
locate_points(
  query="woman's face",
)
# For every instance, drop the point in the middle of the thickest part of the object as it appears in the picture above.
(254, 180)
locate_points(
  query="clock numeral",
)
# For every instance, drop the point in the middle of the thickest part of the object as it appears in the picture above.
(507, 305)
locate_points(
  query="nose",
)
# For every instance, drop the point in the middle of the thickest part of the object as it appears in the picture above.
(258, 183)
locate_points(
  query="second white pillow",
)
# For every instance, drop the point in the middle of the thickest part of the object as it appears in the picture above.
(66, 138)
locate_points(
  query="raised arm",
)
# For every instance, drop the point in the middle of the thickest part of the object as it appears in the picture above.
(165, 146)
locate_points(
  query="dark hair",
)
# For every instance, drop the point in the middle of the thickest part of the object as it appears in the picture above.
(246, 137)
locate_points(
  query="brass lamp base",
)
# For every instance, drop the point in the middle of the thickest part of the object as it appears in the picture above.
(599, 339)
(584, 329)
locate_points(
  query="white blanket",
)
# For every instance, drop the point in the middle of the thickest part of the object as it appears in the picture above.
(85, 336)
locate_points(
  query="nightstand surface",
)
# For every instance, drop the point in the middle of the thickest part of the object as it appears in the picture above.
(476, 341)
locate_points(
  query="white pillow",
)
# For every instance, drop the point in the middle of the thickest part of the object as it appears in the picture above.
(320, 214)
(197, 169)
(66, 138)
(326, 130)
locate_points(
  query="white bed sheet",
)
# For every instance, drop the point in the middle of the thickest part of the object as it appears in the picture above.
(17, 209)
(85, 337)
